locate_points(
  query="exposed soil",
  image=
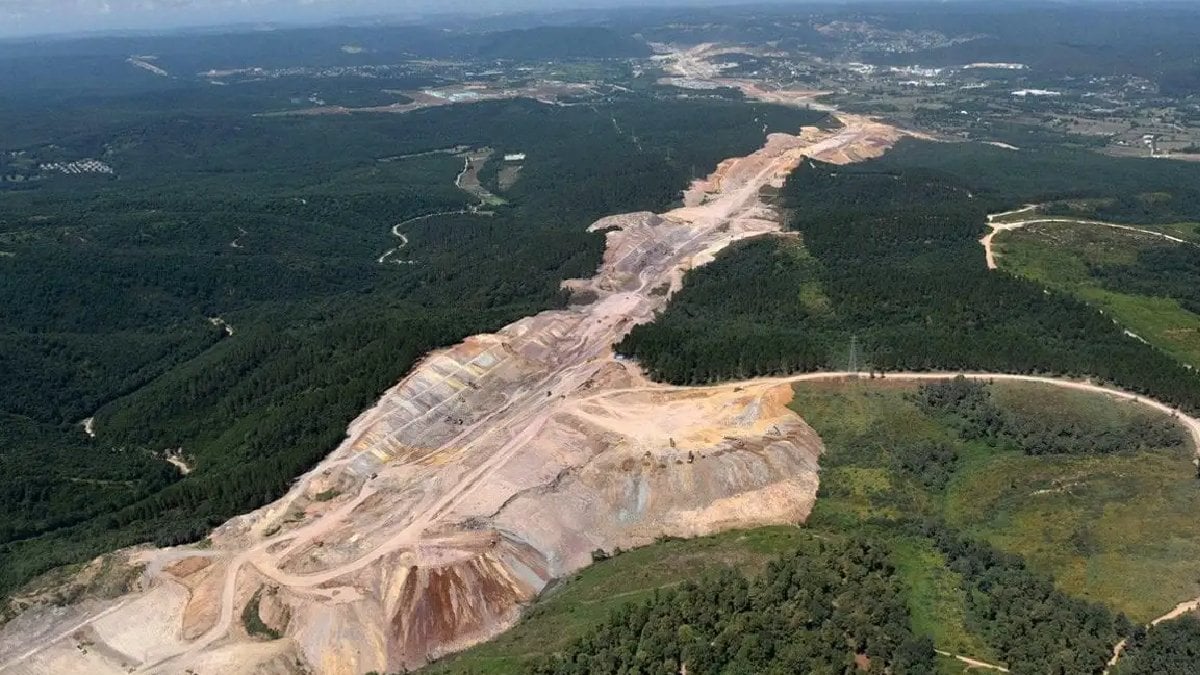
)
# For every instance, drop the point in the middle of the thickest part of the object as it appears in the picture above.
(175, 458)
(508, 176)
(973, 663)
(495, 466)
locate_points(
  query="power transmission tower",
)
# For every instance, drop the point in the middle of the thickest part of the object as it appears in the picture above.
(852, 360)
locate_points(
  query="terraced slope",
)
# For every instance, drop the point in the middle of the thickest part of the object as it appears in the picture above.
(495, 466)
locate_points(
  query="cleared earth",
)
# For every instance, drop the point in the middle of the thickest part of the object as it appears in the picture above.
(494, 467)
(1092, 552)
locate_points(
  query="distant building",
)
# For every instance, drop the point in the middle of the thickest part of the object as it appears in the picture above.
(515, 157)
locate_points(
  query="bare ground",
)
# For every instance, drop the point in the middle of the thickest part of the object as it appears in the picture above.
(494, 467)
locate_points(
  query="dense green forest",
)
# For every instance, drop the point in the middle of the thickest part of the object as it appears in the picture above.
(889, 253)
(1038, 628)
(831, 611)
(112, 289)
(1159, 271)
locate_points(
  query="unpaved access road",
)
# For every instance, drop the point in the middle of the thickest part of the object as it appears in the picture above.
(467, 180)
(973, 663)
(1185, 607)
(997, 226)
(1189, 423)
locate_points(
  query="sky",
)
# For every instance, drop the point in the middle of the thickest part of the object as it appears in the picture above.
(31, 17)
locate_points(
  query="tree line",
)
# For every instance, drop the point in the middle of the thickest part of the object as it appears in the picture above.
(977, 416)
(890, 254)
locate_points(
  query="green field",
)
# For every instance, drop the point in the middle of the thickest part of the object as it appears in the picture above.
(859, 422)
(936, 600)
(1063, 257)
(1079, 518)
(1119, 530)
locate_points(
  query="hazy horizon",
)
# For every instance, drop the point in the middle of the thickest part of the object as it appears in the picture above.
(32, 18)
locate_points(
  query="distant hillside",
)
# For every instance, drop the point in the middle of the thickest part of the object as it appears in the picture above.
(65, 64)
(558, 42)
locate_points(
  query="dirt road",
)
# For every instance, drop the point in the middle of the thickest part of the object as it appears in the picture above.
(997, 226)
(1189, 423)
(497, 465)
(1185, 607)
(973, 662)
(467, 180)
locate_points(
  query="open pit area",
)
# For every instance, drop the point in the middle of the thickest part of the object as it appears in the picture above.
(494, 467)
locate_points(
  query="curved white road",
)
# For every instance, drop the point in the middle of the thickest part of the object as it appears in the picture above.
(1191, 424)
(997, 227)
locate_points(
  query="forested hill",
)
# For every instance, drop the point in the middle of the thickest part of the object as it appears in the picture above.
(23, 63)
(890, 254)
(556, 42)
(115, 292)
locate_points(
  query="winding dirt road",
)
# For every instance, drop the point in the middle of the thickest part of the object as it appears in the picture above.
(470, 159)
(1185, 607)
(1189, 423)
(997, 226)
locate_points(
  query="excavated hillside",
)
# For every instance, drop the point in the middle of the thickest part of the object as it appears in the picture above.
(495, 466)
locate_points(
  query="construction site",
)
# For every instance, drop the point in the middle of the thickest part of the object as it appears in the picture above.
(493, 468)
(496, 466)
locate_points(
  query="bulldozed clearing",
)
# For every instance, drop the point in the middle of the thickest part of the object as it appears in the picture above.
(494, 467)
